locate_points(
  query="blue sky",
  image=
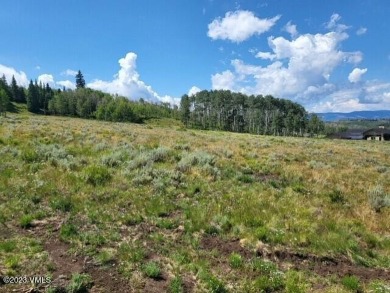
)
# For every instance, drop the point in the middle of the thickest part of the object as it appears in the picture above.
(328, 56)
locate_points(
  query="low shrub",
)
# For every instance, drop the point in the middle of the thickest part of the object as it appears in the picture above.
(63, 204)
(97, 175)
(378, 198)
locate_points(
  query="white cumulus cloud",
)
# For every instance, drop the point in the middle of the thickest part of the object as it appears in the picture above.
(67, 84)
(291, 29)
(69, 72)
(356, 74)
(265, 55)
(302, 68)
(46, 78)
(239, 25)
(308, 60)
(224, 80)
(127, 83)
(20, 76)
(193, 91)
(334, 24)
(361, 31)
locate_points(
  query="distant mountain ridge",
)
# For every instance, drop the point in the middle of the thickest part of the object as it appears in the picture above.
(336, 116)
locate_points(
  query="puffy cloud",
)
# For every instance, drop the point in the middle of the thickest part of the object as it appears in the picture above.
(370, 95)
(361, 31)
(46, 78)
(308, 60)
(69, 72)
(334, 24)
(67, 84)
(20, 76)
(127, 83)
(291, 29)
(266, 55)
(193, 91)
(239, 25)
(224, 80)
(301, 69)
(356, 74)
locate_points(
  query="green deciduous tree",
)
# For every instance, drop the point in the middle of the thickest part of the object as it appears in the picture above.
(185, 109)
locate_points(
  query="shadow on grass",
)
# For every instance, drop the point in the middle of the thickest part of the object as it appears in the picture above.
(13, 108)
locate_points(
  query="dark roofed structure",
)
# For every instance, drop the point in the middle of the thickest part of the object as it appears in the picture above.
(355, 134)
(380, 133)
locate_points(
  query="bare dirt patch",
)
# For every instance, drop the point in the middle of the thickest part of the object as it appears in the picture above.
(326, 266)
(225, 247)
(321, 265)
(104, 279)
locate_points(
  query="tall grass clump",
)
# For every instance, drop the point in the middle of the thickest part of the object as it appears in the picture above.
(152, 270)
(79, 283)
(352, 283)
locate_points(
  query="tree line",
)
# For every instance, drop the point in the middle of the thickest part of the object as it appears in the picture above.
(82, 102)
(225, 110)
(10, 93)
(213, 110)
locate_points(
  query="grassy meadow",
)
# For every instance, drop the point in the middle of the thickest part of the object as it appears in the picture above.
(118, 207)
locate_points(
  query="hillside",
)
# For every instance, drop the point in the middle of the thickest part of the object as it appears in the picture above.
(119, 207)
(363, 115)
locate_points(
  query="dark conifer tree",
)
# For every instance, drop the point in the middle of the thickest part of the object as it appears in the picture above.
(4, 101)
(33, 97)
(15, 92)
(80, 82)
(4, 85)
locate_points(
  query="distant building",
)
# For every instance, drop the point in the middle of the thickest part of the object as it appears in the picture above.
(354, 134)
(380, 133)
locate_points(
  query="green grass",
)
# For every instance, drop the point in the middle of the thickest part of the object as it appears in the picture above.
(152, 270)
(79, 283)
(235, 261)
(176, 285)
(26, 221)
(352, 283)
(142, 199)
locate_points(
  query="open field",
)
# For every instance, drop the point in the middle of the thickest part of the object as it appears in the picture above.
(115, 207)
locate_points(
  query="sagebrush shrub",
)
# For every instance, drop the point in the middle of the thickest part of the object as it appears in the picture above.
(378, 198)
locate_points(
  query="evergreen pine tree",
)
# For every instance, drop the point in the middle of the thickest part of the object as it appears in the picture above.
(33, 98)
(80, 82)
(14, 90)
(4, 85)
(4, 100)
